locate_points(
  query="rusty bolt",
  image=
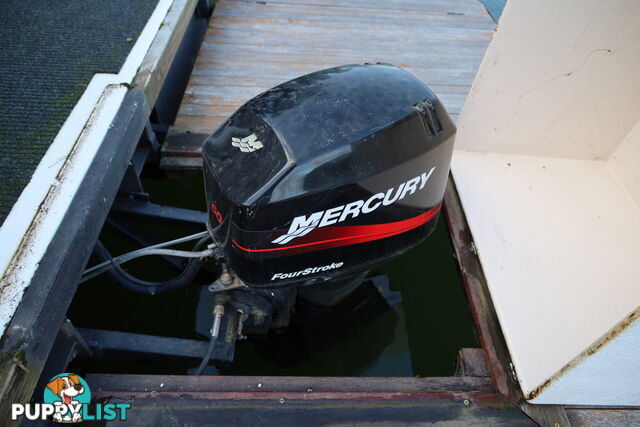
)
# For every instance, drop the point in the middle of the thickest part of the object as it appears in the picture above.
(557, 425)
(129, 39)
(466, 402)
(282, 400)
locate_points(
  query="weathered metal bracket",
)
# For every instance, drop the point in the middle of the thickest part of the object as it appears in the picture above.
(160, 213)
(130, 346)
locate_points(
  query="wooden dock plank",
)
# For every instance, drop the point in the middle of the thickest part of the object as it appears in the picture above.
(251, 46)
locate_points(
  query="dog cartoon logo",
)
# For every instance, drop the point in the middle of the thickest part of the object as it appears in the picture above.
(68, 393)
(67, 399)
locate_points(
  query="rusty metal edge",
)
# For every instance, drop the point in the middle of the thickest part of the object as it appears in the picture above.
(487, 326)
(468, 391)
(270, 400)
(594, 348)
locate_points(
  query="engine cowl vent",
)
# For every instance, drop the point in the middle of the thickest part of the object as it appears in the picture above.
(430, 117)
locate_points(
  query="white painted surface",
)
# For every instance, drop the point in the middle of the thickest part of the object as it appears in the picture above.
(554, 237)
(38, 212)
(625, 163)
(549, 86)
(558, 230)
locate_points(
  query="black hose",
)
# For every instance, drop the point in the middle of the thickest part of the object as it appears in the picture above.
(147, 287)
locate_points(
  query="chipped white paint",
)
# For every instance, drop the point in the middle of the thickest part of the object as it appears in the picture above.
(38, 212)
(547, 165)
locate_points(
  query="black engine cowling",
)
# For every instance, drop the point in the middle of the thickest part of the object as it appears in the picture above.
(328, 175)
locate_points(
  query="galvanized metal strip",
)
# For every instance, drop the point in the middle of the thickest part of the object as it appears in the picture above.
(159, 58)
(223, 384)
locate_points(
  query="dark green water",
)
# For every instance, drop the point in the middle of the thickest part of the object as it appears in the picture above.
(421, 336)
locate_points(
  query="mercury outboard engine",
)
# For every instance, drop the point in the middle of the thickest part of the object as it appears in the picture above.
(314, 182)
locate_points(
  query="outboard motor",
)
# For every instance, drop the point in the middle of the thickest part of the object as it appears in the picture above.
(327, 176)
(314, 182)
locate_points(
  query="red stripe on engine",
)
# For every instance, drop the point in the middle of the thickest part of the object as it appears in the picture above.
(333, 237)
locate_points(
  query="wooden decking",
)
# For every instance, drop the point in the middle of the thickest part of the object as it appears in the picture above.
(251, 46)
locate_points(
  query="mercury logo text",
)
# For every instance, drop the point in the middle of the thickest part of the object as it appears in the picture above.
(303, 225)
